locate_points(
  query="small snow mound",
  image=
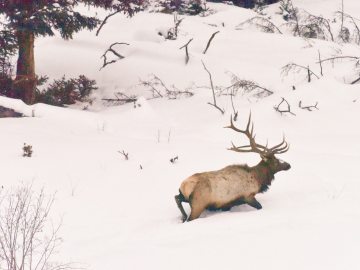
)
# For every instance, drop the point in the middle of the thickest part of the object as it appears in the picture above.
(148, 35)
(143, 103)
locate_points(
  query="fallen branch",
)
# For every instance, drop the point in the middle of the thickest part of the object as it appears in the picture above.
(309, 108)
(187, 57)
(209, 42)
(110, 49)
(158, 87)
(288, 110)
(213, 90)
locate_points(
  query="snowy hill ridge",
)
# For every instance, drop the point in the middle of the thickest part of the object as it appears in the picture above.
(120, 213)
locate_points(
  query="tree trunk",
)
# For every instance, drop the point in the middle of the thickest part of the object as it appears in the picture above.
(25, 82)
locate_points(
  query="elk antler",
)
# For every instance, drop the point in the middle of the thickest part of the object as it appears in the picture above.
(254, 147)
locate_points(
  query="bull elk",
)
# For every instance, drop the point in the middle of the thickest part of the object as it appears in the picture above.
(234, 184)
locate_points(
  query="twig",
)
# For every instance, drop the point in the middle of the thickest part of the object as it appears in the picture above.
(277, 108)
(126, 155)
(110, 49)
(209, 42)
(356, 81)
(320, 63)
(339, 57)
(309, 108)
(187, 58)
(213, 90)
(173, 160)
(232, 104)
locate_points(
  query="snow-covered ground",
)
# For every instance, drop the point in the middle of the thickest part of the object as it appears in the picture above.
(117, 215)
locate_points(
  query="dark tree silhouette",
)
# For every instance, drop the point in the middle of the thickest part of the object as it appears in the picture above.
(30, 19)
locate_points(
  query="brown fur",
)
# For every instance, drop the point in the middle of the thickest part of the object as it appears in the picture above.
(228, 187)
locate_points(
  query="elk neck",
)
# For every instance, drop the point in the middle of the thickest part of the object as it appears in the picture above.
(263, 175)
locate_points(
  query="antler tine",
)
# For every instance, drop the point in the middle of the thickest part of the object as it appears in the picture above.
(283, 150)
(249, 132)
(279, 147)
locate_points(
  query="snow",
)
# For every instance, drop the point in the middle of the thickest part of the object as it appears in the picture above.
(117, 215)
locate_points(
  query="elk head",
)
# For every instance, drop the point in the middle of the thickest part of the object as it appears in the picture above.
(266, 153)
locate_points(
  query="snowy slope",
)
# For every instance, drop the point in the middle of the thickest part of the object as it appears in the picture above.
(116, 215)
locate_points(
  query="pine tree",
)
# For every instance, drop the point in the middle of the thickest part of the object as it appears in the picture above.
(30, 19)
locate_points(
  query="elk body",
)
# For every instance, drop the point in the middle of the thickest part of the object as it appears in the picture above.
(234, 184)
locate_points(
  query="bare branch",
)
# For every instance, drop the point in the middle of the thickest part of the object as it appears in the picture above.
(110, 49)
(320, 63)
(356, 81)
(309, 108)
(121, 98)
(233, 107)
(24, 241)
(105, 21)
(209, 42)
(187, 57)
(339, 57)
(295, 67)
(281, 111)
(126, 155)
(213, 90)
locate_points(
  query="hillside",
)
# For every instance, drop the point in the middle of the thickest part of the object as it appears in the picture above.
(121, 214)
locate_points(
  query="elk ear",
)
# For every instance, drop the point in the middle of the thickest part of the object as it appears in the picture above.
(264, 158)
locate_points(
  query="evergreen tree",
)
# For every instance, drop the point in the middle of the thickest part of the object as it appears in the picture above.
(30, 19)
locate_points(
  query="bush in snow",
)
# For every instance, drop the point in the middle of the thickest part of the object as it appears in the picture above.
(28, 238)
(190, 7)
(67, 91)
(27, 150)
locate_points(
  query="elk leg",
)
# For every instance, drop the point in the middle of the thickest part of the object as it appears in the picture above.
(254, 203)
(179, 199)
(197, 204)
(195, 212)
